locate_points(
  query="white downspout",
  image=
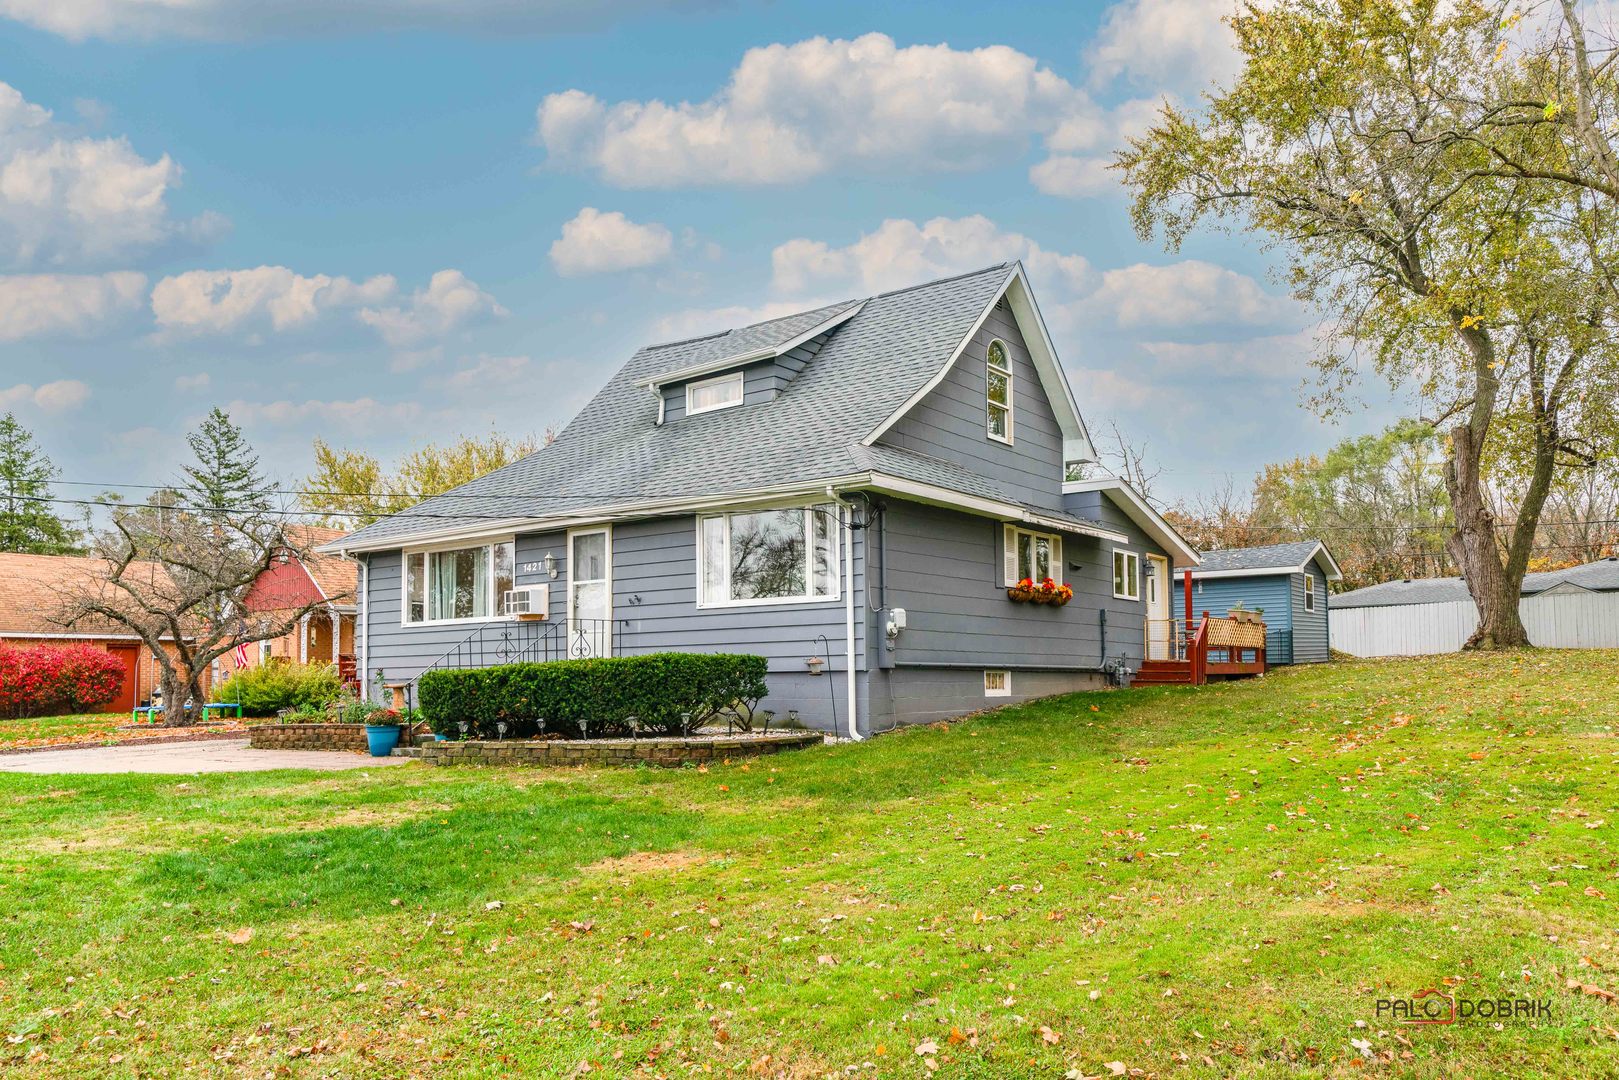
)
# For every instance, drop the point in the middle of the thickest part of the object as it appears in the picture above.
(848, 614)
(365, 626)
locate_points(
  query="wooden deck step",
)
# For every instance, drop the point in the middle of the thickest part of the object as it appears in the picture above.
(1164, 673)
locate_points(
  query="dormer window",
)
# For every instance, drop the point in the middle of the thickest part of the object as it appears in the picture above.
(998, 391)
(717, 393)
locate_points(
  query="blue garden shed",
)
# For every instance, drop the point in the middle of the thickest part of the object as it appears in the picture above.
(1287, 582)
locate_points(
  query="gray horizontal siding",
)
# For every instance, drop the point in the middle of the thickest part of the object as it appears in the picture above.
(654, 566)
(945, 570)
(951, 422)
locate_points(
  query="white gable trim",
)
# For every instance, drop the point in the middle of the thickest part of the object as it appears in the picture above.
(725, 363)
(1141, 512)
(1076, 439)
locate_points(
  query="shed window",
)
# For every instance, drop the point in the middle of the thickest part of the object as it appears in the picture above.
(1126, 575)
(1309, 591)
(711, 394)
(998, 391)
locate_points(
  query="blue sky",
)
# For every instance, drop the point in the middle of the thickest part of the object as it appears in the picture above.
(387, 230)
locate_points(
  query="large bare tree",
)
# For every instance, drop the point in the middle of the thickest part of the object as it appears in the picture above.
(178, 569)
(1482, 290)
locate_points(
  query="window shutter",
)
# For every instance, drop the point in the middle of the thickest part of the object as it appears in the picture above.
(1009, 554)
(1056, 559)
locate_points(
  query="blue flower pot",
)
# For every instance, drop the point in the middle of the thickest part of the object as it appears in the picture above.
(381, 738)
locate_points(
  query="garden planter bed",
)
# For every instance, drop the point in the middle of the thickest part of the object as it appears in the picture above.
(307, 737)
(668, 752)
(131, 736)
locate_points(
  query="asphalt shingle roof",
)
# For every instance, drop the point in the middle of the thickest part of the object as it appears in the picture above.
(614, 454)
(1599, 576)
(1257, 558)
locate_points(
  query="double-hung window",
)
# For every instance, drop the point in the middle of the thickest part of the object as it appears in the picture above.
(1032, 555)
(711, 394)
(768, 556)
(458, 583)
(1309, 591)
(1126, 575)
(998, 390)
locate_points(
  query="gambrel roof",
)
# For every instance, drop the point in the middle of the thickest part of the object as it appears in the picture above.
(877, 357)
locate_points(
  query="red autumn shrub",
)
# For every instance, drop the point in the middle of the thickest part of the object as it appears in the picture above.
(50, 680)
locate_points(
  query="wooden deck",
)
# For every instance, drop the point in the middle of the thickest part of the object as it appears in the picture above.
(1217, 648)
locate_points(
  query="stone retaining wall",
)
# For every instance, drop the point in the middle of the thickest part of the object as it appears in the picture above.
(667, 752)
(307, 737)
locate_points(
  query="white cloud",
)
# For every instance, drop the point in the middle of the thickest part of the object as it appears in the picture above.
(59, 396)
(1184, 294)
(485, 374)
(1177, 45)
(70, 201)
(598, 243)
(190, 384)
(792, 112)
(450, 301)
(1275, 356)
(240, 19)
(1082, 149)
(901, 252)
(358, 413)
(34, 304)
(224, 301)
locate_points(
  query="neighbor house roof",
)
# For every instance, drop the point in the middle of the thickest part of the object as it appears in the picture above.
(337, 578)
(34, 589)
(1289, 558)
(877, 357)
(1599, 576)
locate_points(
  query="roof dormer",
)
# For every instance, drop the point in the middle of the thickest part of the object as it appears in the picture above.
(742, 367)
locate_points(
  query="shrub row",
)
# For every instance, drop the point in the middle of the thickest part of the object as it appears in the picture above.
(53, 680)
(268, 688)
(601, 694)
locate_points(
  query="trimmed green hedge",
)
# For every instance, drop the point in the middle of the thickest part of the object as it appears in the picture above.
(601, 694)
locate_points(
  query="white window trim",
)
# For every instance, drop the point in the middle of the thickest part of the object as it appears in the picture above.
(459, 545)
(1007, 352)
(1134, 579)
(1309, 591)
(734, 376)
(704, 604)
(1012, 535)
(1006, 683)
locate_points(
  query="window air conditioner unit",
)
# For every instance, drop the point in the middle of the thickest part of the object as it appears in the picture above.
(528, 601)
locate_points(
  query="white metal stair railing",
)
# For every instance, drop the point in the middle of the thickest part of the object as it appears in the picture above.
(1164, 639)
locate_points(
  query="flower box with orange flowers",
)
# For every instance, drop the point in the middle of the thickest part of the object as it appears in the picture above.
(1047, 591)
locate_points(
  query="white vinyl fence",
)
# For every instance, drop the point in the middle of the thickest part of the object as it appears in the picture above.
(1555, 619)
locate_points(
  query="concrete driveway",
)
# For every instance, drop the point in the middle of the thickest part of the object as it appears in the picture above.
(183, 758)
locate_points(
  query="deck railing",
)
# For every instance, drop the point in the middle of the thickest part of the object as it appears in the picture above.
(525, 641)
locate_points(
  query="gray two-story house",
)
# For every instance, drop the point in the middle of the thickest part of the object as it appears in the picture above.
(850, 492)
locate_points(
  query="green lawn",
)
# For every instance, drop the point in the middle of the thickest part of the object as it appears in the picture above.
(1188, 882)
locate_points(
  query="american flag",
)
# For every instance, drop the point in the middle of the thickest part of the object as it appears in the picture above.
(241, 654)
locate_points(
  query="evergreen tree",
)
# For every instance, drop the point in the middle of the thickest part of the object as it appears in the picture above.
(225, 476)
(27, 524)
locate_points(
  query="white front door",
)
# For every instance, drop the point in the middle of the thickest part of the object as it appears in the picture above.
(1160, 630)
(590, 593)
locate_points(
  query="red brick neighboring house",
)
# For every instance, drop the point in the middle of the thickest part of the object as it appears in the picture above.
(325, 635)
(31, 588)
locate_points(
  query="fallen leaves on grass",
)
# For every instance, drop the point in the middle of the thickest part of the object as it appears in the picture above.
(240, 937)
